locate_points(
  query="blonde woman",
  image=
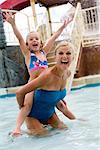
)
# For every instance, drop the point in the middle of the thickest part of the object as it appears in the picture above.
(49, 89)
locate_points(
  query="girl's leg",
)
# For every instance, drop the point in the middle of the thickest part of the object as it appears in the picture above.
(64, 109)
(55, 122)
(21, 102)
(23, 113)
(35, 127)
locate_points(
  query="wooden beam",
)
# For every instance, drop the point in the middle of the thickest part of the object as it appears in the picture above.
(32, 2)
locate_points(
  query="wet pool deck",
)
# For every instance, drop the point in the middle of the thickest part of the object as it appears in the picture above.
(77, 83)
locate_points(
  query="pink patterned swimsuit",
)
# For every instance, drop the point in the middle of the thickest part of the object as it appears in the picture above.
(36, 64)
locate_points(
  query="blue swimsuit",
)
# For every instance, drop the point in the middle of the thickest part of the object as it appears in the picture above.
(44, 104)
(36, 64)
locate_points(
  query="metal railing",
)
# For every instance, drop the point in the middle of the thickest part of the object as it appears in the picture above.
(91, 18)
(10, 37)
(26, 25)
(76, 37)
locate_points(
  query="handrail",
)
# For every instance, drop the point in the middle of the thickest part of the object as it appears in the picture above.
(10, 37)
(90, 8)
(92, 25)
(43, 29)
(76, 36)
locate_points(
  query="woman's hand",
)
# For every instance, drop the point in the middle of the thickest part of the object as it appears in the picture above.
(20, 98)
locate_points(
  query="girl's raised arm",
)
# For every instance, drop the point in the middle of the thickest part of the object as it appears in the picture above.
(50, 42)
(11, 19)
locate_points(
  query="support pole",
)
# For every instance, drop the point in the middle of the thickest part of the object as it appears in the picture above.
(32, 2)
(49, 22)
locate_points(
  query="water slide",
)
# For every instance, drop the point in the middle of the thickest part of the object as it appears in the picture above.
(15, 4)
(76, 32)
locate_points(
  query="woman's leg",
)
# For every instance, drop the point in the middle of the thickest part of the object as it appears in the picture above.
(24, 111)
(35, 127)
(62, 106)
(55, 122)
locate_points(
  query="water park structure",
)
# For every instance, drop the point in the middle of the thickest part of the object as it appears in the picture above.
(85, 39)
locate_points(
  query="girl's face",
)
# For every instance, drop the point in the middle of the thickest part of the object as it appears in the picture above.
(64, 57)
(33, 41)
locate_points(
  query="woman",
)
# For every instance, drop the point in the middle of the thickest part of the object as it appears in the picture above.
(49, 90)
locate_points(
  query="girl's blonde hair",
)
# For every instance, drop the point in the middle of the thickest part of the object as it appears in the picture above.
(69, 45)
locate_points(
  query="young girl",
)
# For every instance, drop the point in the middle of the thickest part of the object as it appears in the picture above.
(36, 62)
(46, 96)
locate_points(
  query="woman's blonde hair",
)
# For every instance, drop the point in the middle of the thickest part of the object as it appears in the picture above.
(65, 43)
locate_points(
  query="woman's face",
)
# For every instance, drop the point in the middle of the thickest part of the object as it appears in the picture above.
(64, 56)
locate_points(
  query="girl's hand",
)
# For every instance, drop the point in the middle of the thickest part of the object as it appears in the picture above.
(67, 21)
(9, 17)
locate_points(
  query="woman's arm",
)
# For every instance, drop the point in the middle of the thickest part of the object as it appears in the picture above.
(50, 42)
(11, 19)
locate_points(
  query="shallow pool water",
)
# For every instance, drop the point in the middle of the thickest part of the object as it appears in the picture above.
(81, 135)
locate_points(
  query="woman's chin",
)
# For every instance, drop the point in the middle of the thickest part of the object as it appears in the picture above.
(64, 66)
